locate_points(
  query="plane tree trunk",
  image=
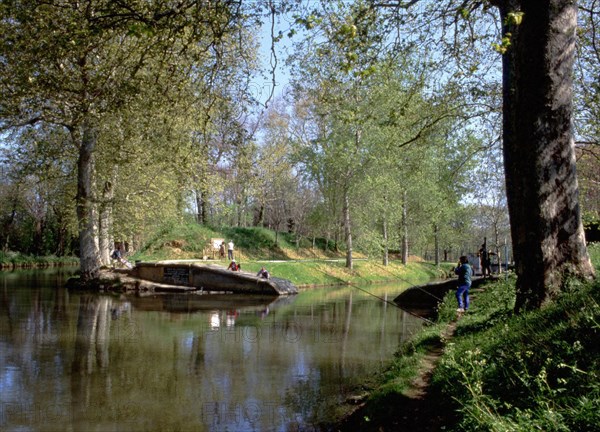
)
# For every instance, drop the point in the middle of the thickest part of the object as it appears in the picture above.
(539, 157)
(87, 214)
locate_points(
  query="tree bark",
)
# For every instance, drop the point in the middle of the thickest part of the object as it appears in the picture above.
(385, 243)
(86, 207)
(436, 234)
(201, 204)
(347, 229)
(105, 225)
(259, 216)
(542, 191)
(8, 225)
(404, 229)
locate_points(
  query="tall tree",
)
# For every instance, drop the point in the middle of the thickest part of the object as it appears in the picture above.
(539, 150)
(587, 112)
(335, 69)
(538, 46)
(69, 64)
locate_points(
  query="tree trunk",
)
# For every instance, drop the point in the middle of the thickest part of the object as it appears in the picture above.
(347, 229)
(202, 205)
(259, 215)
(436, 235)
(385, 243)
(38, 236)
(105, 225)
(404, 230)
(542, 192)
(8, 225)
(86, 207)
(199, 207)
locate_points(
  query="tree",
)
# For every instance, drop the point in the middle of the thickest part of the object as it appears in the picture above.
(69, 65)
(538, 46)
(335, 71)
(587, 119)
(539, 151)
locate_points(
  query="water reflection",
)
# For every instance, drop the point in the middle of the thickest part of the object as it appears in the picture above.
(183, 362)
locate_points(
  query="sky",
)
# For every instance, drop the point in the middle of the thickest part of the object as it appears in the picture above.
(263, 86)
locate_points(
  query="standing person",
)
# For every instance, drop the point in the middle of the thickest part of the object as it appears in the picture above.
(222, 250)
(464, 272)
(230, 249)
(263, 273)
(484, 256)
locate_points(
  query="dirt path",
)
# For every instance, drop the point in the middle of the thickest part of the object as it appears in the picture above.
(417, 410)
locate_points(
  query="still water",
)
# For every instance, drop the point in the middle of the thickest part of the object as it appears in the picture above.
(71, 361)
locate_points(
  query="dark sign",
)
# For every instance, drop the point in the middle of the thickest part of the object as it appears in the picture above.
(177, 275)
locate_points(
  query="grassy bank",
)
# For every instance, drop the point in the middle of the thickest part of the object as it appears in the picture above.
(9, 260)
(193, 241)
(305, 273)
(284, 256)
(500, 372)
(303, 262)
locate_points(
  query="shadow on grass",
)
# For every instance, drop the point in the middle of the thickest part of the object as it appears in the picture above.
(397, 412)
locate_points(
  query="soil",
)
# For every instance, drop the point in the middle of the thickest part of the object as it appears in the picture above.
(419, 409)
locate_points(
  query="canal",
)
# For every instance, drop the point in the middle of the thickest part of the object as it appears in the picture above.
(75, 361)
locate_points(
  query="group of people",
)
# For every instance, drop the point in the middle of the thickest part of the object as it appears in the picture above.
(235, 266)
(229, 250)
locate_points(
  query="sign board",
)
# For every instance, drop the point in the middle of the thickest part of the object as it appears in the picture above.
(177, 275)
(216, 243)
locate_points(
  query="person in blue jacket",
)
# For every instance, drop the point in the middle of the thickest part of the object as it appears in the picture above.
(464, 272)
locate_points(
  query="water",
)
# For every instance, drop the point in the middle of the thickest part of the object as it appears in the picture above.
(94, 362)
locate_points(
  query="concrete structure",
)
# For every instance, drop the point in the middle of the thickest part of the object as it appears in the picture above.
(210, 278)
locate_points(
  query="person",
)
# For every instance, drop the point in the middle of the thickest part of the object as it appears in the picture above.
(464, 272)
(233, 266)
(230, 249)
(484, 256)
(263, 273)
(222, 250)
(118, 256)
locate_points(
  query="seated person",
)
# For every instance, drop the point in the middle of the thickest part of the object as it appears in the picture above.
(233, 266)
(263, 273)
(118, 256)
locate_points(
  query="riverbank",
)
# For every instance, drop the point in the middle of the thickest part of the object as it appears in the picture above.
(303, 274)
(332, 272)
(15, 260)
(491, 370)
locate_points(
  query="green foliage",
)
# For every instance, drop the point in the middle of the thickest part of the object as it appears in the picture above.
(502, 372)
(189, 237)
(10, 259)
(537, 371)
(256, 247)
(594, 252)
(255, 238)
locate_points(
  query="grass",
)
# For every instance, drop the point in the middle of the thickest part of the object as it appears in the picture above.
(192, 241)
(535, 371)
(304, 265)
(15, 259)
(501, 372)
(334, 272)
